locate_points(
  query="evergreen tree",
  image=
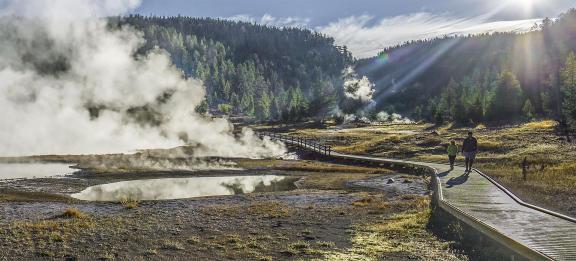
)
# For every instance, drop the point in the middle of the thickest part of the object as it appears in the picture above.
(439, 117)
(476, 111)
(262, 109)
(450, 98)
(506, 101)
(247, 105)
(202, 108)
(225, 108)
(568, 74)
(275, 112)
(528, 109)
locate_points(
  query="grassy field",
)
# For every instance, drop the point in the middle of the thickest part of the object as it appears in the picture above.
(550, 176)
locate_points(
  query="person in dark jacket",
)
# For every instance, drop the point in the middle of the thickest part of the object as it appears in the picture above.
(469, 150)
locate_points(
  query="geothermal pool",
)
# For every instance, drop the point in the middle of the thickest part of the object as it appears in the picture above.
(33, 170)
(179, 188)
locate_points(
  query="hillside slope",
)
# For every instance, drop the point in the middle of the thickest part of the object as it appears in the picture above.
(482, 78)
(255, 70)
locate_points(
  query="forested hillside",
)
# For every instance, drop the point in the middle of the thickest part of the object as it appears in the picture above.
(292, 74)
(266, 72)
(490, 78)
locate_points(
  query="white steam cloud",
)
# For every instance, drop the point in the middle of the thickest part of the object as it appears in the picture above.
(69, 85)
(357, 88)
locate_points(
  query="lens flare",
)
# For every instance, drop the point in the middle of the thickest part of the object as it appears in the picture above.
(383, 58)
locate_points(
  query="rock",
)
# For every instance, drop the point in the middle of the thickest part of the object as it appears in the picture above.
(390, 181)
(308, 238)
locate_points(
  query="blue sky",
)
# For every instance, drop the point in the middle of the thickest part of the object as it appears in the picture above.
(366, 26)
(325, 11)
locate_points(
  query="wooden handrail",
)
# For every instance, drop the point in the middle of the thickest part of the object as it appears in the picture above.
(298, 141)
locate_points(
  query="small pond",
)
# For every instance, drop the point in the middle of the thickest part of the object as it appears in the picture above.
(33, 170)
(178, 188)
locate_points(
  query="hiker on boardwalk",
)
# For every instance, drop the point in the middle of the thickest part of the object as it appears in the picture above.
(469, 150)
(452, 152)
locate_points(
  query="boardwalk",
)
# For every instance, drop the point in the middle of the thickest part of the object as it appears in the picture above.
(547, 236)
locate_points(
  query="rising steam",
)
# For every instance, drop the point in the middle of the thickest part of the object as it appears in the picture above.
(70, 84)
(357, 88)
(360, 91)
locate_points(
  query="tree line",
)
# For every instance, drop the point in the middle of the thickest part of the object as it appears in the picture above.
(488, 78)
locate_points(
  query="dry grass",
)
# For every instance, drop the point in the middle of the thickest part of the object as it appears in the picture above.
(73, 213)
(151, 252)
(130, 203)
(402, 235)
(491, 145)
(371, 142)
(193, 240)
(554, 181)
(172, 245)
(270, 209)
(48, 231)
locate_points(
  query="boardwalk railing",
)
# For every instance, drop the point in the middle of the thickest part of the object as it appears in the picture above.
(305, 143)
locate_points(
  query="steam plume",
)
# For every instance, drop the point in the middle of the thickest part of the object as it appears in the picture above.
(69, 84)
(357, 88)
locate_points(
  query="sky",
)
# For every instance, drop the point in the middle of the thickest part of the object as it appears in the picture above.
(364, 26)
(367, 26)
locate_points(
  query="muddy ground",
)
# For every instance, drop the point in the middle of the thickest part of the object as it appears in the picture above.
(338, 212)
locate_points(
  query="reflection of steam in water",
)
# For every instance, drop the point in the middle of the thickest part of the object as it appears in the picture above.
(175, 188)
(33, 170)
(266, 184)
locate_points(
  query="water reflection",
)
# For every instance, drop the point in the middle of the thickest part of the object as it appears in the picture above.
(176, 188)
(33, 170)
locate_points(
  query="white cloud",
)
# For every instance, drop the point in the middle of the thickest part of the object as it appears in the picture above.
(272, 21)
(365, 35)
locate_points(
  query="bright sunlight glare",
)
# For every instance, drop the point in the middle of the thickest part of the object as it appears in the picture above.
(527, 4)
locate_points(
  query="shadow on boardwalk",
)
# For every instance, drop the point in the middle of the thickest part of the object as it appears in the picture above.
(458, 180)
(443, 174)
